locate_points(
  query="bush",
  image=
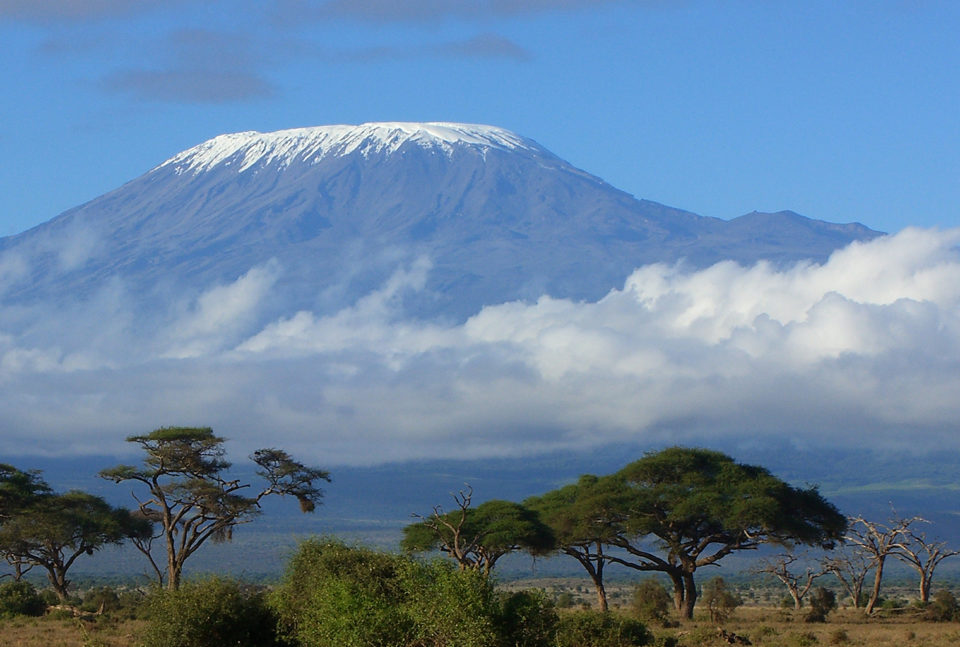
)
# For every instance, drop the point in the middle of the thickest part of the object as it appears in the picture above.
(720, 601)
(651, 601)
(596, 629)
(822, 602)
(20, 599)
(528, 618)
(446, 606)
(335, 595)
(101, 599)
(212, 611)
(943, 607)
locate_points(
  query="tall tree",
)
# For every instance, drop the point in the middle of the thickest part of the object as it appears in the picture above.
(583, 518)
(878, 541)
(701, 505)
(476, 537)
(190, 498)
(55, 530)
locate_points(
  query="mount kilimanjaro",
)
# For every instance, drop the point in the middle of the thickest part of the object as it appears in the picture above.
(340, 208)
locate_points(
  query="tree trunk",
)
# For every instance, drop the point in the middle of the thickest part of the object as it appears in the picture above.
(601, 594)
(678, 595)
(58, 582)
(689, 596)
(797, 600)
(877, 579)
(925, 583)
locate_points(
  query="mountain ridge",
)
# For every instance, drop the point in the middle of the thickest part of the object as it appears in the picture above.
(341, 208)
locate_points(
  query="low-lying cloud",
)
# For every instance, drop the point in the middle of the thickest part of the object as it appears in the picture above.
(863, 348)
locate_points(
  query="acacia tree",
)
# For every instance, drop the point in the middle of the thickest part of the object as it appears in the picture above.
(191, 500)
(878, 541)
(850, 566)
(55, 530)
(18, 490)
(475, 538)
(797, 584)
(923, 555)
(582, 517)
(701, 505)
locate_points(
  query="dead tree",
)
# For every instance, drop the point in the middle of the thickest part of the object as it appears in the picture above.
(924, 556)
(850, 566)
(878, 541)
(798, 585)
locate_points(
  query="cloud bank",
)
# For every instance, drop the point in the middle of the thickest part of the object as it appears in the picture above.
(862, 350)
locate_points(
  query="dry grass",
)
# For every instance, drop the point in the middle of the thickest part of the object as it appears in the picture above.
(68, 632)
(769, 627)
(763, 626)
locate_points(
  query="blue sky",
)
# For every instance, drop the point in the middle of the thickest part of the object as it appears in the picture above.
(840, 111)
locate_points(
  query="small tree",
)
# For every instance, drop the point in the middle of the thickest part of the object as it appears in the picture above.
(56, 530)
(651, 601)
(798, 585)
(191, 500)
(850, 566)
(923, 555)
(822, 602)
(477, 537)
(720, 600)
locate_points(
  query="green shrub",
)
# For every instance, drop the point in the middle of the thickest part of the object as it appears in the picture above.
(212, 611)
(333, 594)
(446, 606)
(100, 599)
(943, 607)
(20, 599)
(822, 602)
(720, 600)
(565, 600)
(337, 595)
(596, 629)
(528, 618)
(651, 601)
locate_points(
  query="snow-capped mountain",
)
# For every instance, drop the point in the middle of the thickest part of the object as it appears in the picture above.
(338, 209)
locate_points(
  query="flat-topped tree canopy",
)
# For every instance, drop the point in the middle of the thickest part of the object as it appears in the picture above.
(701, 505)
(192, 500)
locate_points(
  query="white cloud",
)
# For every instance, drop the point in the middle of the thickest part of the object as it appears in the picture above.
(867, 343)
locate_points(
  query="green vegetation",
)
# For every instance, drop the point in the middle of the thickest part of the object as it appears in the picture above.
(212, 611)
(477, 537)
(671, 512)
(20, 599)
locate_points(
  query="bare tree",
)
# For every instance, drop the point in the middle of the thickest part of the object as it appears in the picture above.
(798, 585)
(850, 566)
(878, 541)
(923, 555)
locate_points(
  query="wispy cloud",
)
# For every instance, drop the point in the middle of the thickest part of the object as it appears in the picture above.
(867, 343)
(199, 66)
(420, 10)
(59, 11)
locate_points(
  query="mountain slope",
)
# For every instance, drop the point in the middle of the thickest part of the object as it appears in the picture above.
(341, 208)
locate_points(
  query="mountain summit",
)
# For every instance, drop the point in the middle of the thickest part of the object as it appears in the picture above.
(252, 150)
(337, 210)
